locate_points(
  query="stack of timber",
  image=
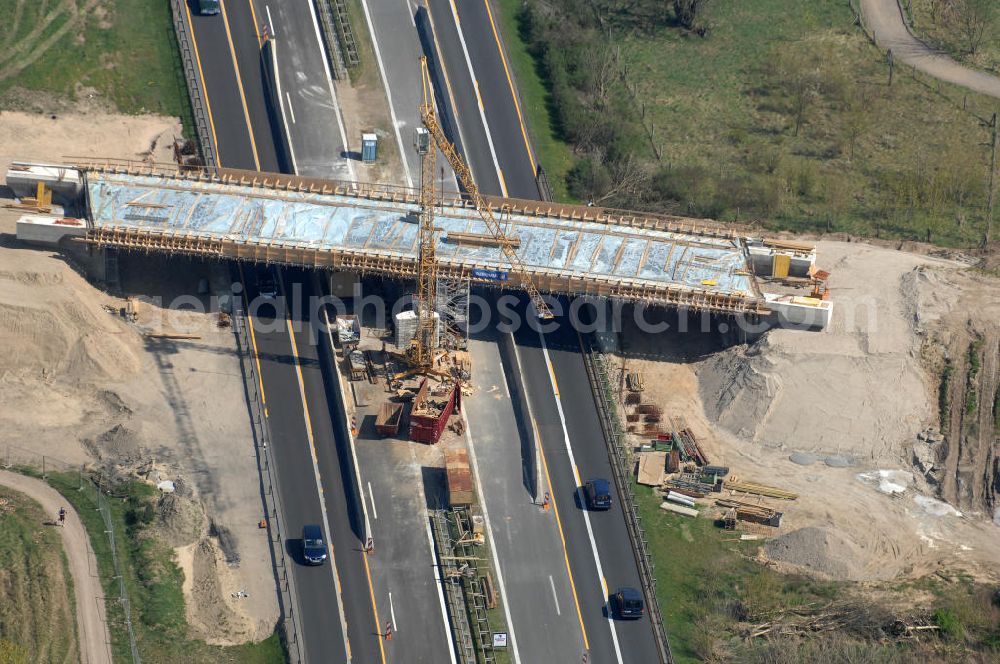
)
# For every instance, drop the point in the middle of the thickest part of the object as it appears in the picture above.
(735, 484)
(685, 440)
(745, 511)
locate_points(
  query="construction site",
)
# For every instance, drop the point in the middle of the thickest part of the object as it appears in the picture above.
(829, 406)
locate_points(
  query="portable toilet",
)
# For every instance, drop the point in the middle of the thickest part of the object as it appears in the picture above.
(369, 148)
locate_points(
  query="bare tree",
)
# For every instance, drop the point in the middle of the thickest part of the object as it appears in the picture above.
(975, 18)
(689, 11)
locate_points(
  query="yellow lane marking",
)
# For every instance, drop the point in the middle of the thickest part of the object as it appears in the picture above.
(256, 25)
(371, 593)
(479, 97)
(312, 448)
(555, 508)
(204, 86)
(510, 82)
(576, 474)
(239, 84)
(253, 341)
(552, 374)
(503, 182)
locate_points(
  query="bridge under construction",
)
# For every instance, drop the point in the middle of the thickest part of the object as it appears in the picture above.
(567, 249)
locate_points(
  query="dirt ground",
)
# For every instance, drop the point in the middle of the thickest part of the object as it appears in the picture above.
(838, 415)
(83, 385)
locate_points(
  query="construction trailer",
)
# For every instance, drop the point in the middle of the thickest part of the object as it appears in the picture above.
(429, 415)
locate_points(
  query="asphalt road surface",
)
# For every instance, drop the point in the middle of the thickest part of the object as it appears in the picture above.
(317, 612)
(600, 553)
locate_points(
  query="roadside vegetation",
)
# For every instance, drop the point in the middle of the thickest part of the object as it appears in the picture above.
(967, 30)
(153, 581)
(763, 111)
(720, 605)
(121, 51)
(37, 610)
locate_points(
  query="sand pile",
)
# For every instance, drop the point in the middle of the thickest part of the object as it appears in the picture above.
(855, 389)
(817, 551)
(53, 325)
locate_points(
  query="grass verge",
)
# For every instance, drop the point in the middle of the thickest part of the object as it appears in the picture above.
(153, 581)
(37, 609)
(122, 50)
(555, 156)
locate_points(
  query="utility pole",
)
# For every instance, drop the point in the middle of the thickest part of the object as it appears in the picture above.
(989, 195)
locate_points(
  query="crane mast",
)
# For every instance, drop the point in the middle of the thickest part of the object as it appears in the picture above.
(429, 117)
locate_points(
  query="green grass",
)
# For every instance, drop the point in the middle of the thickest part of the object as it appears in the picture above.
(907, 161)
(37, 610)
(125, 50)
(153, 581)
(555, 155)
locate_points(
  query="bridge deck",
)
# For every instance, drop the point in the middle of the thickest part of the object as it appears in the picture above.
(355, 232)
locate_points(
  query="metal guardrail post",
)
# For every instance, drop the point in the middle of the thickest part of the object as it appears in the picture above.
(194, 85)
(621, 467)
(272, 502)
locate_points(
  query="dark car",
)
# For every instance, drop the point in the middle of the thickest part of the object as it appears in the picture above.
(267, 287)
(208, 7)
(598, 493)
(628, 603)
(313, 547)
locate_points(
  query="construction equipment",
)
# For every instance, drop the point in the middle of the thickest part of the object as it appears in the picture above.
(428, 116)
(820, 289)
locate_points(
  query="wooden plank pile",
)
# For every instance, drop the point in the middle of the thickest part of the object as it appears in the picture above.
(751, 512)
(734, 484)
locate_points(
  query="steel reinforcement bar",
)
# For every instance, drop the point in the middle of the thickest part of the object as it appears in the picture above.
(398, 266)
(621, 466)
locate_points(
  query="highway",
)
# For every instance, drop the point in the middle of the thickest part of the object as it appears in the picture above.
(598, 547)
(336, 610)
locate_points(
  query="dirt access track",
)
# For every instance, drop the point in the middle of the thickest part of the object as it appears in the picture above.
(90, 618)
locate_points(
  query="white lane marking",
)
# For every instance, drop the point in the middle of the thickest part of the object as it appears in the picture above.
(284, 120)
(586, 514)
(315, 463)
(371, 497)
(388, 93)
(489, 534)
(329, 82)
(392, 612)
(291, 111)
(482, 113)
(440, 586)
(555, 598)
(413, 13)
(270, 23)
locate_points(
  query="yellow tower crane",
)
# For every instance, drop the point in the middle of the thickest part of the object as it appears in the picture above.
(423, 348)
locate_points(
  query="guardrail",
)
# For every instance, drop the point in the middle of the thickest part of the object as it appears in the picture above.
(621, 466)
(334, 52)
(19, 458)
(287, 594)
(199, 107)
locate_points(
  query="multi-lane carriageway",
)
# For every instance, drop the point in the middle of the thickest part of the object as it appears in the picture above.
(339, 601)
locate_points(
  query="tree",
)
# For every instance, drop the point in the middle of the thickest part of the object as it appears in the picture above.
(689, 11)
(976, 18)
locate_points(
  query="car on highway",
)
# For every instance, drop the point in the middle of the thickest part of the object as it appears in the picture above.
(598, 492)
(208, 7)
(267, 286)
(313, 546)
(628, 603)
